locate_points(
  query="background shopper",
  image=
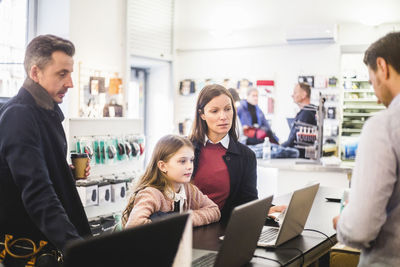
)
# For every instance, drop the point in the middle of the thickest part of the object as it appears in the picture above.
(253, 120)
(301, 96)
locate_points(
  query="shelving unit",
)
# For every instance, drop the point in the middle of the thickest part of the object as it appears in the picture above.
(359, 103)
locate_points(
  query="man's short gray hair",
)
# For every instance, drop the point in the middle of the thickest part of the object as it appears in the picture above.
(41, 48)
(250, 90)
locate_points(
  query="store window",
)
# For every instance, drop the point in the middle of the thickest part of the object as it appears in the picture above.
(13, 32)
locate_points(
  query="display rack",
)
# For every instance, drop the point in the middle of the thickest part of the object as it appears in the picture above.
(116, 172)
(359, 103)
(331, 93)
(92, 105)
(315, 149)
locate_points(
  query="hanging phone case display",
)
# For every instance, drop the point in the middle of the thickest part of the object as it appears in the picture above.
(306, 79)
(96, 85)
(135, 152)
(187, 87)
(100, 93)
(332, 82)
(115, 86)
(141, 142)
(111, 151)
(85, 145)
(99, 150)
(121, 150)
(104, 150)
(112, 109)
(116, 164)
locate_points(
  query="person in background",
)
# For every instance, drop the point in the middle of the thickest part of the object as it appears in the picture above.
(301, 96)
(38, 197)
(277, 151)
(224, 169)
(165, 187)
(236, 98)
(251, 116)
(370, 220)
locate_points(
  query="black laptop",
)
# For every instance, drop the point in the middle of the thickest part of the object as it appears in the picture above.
(241, 236)
(153, 244)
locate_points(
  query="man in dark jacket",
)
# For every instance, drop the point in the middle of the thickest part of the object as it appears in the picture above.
(301, 96)
(38, 197)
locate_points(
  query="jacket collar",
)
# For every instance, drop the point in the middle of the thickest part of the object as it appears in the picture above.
(39, 94)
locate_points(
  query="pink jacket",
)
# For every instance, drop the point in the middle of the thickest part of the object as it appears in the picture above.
(151, 200)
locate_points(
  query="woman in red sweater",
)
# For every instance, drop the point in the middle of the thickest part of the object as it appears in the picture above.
(224, 169)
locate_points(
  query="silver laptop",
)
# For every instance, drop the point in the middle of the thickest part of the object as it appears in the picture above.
(241, 235)
(294, 219)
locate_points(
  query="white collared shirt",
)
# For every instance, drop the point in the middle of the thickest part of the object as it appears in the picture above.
(181, 197)
(224, 141)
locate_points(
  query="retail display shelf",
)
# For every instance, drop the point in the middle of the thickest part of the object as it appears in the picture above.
(356, 79)
(360, 100)
(349, 163)
(357, 114)
(363, 107)
(348, 130)
(358, 90)
(354, 121)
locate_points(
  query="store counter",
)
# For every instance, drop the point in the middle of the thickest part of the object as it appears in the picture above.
(308, 248)
(280, 176)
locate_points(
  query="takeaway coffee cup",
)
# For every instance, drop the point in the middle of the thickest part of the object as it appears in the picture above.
(79, 160)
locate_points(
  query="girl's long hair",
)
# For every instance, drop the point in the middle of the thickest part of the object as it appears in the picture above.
(200, 128)
(165, 148)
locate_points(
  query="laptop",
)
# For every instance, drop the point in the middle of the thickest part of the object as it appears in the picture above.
(293, 220)
(241, 235)
(153, 244)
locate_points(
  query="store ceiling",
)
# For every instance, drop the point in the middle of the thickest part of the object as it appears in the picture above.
(245, 14)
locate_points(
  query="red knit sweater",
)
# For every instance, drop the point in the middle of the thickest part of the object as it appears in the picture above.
(212, 176)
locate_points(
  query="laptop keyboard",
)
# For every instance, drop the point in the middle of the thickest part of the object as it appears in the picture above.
(206, 260)
(268, 235)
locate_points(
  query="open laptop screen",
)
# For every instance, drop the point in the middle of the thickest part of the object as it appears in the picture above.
(153, 244)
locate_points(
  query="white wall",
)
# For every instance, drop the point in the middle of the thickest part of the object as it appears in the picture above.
(98, 29)
(53, 17)
(246, 39)
(160, 102)
(280, 63)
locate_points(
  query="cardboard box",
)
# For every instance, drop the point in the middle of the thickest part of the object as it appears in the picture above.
(344, 256)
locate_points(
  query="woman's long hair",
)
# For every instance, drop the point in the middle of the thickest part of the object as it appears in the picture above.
(200, 128)
(165, 148)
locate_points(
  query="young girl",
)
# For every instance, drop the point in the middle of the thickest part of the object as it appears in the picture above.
(165, 187)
